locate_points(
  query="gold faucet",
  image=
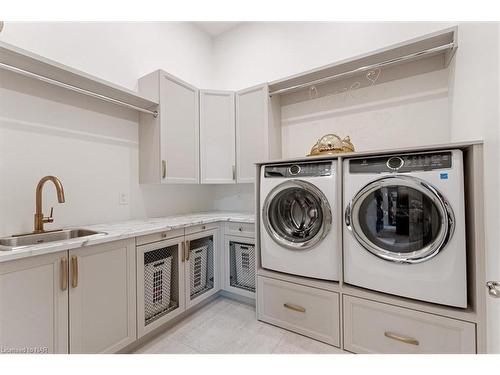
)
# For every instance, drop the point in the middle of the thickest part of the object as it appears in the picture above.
(39, 218)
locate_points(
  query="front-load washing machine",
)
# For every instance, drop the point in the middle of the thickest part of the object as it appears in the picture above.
(404, 226)
(298, 233)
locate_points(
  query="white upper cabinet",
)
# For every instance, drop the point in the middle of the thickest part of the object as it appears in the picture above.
(169, 144)
(217, 137)
(252, 131)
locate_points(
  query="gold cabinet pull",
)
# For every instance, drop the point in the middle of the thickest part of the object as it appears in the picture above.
(64, 273)
(74, 271)
(183, 251)
(405, 339)
(203, 227)
(164, 169)
(294, 307)
(234, 172)
(188, 250)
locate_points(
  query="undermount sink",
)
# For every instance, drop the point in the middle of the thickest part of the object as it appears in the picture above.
(15, 242)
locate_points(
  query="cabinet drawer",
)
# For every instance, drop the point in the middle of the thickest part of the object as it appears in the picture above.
(160, 236)
(374, 327)
(309, 311)
(240, 229)
(201, 228)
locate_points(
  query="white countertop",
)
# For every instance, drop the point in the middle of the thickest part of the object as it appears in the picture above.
(127, 229)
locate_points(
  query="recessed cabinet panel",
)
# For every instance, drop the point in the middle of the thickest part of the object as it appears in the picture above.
(102, 297)
(179, 131)
(309, 311)
(252, 132)
(217, 137)
(34, 305)
(373, 327)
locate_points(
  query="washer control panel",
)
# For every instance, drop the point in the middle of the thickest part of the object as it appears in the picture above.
(401, 163)
(315, 169)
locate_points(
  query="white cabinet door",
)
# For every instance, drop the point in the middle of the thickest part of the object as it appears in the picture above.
(34, 305)
(102, 296)
(252, 132)
(179, 113)
(217, 137)
(202, 261)
(160, 283)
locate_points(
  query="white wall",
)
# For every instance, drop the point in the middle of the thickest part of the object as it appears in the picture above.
(120, 52)
(90, 145)
(257, 52)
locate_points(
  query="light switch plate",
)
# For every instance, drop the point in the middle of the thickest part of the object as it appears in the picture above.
(123, 199)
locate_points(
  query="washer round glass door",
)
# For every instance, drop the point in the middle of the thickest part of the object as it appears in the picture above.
(401, 219)
(297, 215)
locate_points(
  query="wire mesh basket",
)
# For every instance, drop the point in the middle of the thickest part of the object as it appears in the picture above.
(242, 265)
(201, 264)
(160, 281)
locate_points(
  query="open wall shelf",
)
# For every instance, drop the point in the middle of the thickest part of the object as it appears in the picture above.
(32, 65)
(442, 43)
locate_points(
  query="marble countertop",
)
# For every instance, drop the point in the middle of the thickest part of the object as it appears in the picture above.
(127, 229)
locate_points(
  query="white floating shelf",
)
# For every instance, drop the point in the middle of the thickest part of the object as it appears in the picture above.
(442, 43)
(32, 65)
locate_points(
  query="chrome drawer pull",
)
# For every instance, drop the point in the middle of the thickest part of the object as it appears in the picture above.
(405, 339)
(294, 307)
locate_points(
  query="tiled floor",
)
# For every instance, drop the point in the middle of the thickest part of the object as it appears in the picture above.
(227, 326)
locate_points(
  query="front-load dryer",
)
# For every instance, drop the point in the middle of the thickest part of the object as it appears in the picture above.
(404, 226)
(298, 232)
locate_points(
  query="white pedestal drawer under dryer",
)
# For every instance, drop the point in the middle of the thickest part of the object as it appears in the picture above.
(404, 226)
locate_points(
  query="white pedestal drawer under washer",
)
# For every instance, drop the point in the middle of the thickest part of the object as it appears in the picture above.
(404, 226)
(297, 233)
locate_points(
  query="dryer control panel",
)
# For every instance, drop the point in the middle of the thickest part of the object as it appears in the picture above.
(315, 169)
(402, 163)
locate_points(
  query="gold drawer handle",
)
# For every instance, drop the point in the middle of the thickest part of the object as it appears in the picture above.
(405, 339)
(294, 307)
(183, 251)
(74, 266)
(64, 271)
(188, 249)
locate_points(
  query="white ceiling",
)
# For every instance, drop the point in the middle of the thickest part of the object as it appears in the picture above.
(214, 29)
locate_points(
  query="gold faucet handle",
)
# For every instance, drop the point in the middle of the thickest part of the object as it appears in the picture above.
(50, 218)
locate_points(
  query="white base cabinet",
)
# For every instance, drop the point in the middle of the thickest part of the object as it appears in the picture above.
(374, 327)
(102, 295)
(312, 312)
(238, 260)
(175, 274)
(34, 305)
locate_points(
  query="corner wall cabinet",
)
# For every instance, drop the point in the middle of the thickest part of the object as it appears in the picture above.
(217, 137)
(77, 301)
(252, 131)
(169, 143)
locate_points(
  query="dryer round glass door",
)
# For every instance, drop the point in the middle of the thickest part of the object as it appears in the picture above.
(297, 215)
(401, 219)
